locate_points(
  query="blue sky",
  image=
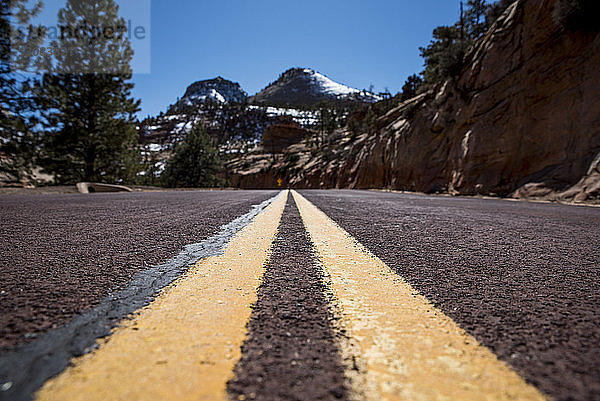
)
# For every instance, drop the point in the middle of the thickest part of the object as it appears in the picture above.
(355, 42)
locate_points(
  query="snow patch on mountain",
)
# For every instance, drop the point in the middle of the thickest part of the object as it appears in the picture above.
(305, 118)
(329, 86)
(212, 95)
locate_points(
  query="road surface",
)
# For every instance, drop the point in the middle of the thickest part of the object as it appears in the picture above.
(308, 295)
(61, 254)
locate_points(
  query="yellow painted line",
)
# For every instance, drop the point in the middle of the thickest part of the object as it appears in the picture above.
(184, 345)
(410, 349)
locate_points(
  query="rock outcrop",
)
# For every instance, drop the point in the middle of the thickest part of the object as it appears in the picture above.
(521, 119)
(277, 137)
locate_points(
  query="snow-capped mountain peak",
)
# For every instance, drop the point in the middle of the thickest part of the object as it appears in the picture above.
(304, 86)
(329, 86)
(217, 90)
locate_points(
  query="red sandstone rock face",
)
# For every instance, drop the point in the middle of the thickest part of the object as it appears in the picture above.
(525, 109)
(277, 137)
(523, 118)
(533, 105)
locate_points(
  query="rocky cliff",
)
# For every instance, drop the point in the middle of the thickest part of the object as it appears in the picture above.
(279, 137)
(522, 119)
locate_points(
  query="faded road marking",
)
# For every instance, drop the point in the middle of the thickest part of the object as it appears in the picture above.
(184, 345)
(412, 351)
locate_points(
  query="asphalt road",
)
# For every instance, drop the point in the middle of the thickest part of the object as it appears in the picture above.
(62, 254)
(522, 278)
(290, 350)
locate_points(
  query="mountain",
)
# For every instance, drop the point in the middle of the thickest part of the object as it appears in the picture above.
(303, 86)
(236, 125)
(217, 90)
(521, 119)
(224, 108)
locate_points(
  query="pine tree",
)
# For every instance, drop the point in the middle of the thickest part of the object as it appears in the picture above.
(86, 98)
(19, 46)
(411, 87)
(475, 20)
(327, 121)
(444, 54)
(194, 163)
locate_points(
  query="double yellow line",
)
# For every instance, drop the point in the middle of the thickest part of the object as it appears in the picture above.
(184, 345)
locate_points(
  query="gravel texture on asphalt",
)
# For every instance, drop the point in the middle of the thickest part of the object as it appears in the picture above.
(290, 352)
(62, 254)
(523, 278)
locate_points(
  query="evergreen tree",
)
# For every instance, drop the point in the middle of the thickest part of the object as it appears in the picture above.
(327, 121)
(19, 48)
(86, 97)
(475, 22)
(411, 87)
(444, 54)
(195, 162)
